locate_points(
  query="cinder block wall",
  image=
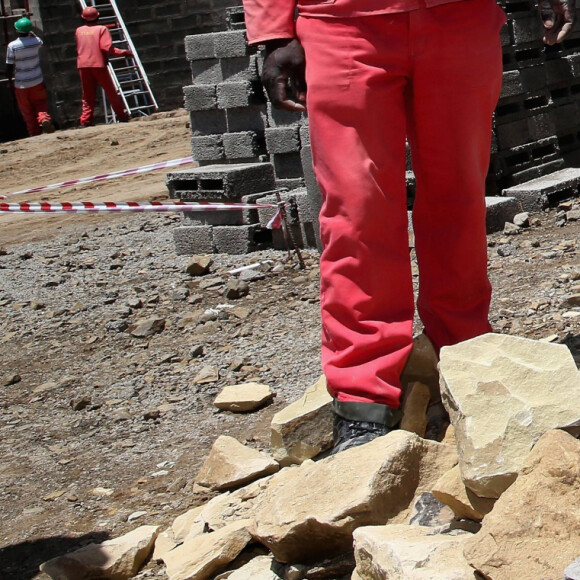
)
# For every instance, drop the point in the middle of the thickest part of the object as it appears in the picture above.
(157, 28)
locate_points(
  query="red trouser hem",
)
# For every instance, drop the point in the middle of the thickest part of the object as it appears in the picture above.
(33, 105)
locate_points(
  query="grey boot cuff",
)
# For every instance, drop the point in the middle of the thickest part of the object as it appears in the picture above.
(371, 412)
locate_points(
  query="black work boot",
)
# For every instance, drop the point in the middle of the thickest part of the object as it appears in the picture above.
(348, 433)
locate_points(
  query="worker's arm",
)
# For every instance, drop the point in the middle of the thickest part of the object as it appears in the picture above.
(271, 22)
(9, 71)
(559, 18)
(106, 45)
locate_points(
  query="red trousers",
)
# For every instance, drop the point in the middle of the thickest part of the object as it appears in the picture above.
(33, 105)
(91, 78)
(433, 76)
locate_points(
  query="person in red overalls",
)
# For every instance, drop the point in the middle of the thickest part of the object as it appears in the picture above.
(94, 46)
(379, 72)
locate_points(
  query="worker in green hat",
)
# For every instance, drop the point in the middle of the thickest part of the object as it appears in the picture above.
(23, 68)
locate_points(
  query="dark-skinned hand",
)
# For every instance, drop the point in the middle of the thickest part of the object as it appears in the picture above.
(559, 17)
(283, 75)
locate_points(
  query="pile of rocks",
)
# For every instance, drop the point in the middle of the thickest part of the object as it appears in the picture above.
(480, 502)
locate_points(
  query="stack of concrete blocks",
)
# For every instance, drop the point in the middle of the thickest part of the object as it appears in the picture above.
(232, 231)
(536, 121)
(234, 131)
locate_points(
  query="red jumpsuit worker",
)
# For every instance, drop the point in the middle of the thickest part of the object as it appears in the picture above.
(94, 46)
(377, 72)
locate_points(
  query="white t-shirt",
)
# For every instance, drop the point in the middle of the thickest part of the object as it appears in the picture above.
(23, 54)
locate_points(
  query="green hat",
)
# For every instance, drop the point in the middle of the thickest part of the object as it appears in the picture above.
(23, 25)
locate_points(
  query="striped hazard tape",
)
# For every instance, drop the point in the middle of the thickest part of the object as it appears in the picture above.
(104, 176)
(126, 206)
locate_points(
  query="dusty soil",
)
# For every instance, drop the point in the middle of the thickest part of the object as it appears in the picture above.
(97, 424)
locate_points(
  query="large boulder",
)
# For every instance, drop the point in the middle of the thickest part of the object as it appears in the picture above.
(410, 553)
(303, 429)
(503, 393)
(309, 512)
(532, 531)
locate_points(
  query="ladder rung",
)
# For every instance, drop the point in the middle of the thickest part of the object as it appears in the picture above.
(142, 108)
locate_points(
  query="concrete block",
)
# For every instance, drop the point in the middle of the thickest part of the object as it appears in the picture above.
(251, 216)
(535, 195)
(558, 71)
(290, 184)
(282, 139)
(243, 145)
(231, 44)
(206, 72)
(287, 165)
(309, 176)
(574, 63)
(207, 148)
(235, 18)
(232, 95)
(241, 239)
(226, 217)
(499, 211)
(541, 126)
(525, 28)
(200, 97)
(310, 235)
(535, 171)
(304, 134)
(281, 118)
(212, 122)
(243, 68)
(294, 233)
(190, 240)
(221, 182)
(199, 46)
(247, 119)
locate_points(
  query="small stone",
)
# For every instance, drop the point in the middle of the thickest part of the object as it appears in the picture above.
(522, 220)
(151, 414)
(199, 265)
(243, 398)
(511, 229)
(196, 351)
(147, 327)
(10, 379)
(207, 374)
(80, 403)
(236, 289)
(505, 250)
(136, 515)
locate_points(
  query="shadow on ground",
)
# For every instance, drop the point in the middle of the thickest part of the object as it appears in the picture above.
(21, 561)
(573, 343)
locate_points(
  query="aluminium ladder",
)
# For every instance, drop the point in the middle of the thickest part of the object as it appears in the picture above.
(128, 74)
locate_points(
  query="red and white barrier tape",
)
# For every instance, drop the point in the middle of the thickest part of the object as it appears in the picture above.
(104, 176)
(128, 206)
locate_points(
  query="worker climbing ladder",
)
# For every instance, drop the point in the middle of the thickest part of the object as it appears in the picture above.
(128, 74)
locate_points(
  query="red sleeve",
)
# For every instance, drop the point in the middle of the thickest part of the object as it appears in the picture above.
(269, 19)
(106, 43)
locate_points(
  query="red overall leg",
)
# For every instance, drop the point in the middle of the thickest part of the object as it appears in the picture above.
(357, 71)
(39, 103)
(454, 92)
(104, 79)
(89, 95)
(27, 110)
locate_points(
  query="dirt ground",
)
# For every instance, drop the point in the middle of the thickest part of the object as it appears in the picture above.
(101, 425)
(79, 153)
